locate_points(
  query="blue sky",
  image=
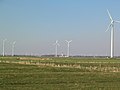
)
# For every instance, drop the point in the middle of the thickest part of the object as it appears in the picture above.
(36, 24)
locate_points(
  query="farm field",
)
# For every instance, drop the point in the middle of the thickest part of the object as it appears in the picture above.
(31, 73)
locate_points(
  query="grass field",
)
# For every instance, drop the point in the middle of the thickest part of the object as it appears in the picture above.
(27, 73)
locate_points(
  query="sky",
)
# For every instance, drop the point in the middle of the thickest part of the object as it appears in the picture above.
(35, 25)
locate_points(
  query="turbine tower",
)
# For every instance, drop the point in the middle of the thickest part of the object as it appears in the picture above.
(13, 47)
(56, 47)
(111, 26)
(68, 47)
(4, 47)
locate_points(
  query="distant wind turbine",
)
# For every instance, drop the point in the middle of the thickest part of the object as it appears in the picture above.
(68, 47)
(4, 47)
(56, 47)
(13, 47)
(111, 26)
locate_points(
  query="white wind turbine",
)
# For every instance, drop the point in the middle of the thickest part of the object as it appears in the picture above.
(111, 26)
(13, 47)
(68, 47)
(56, 47)
(4, 47)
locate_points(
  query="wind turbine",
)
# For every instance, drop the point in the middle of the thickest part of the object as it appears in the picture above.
(111, 26)
(68, 47)
(56, 47)
(4, 47)
(13, 47)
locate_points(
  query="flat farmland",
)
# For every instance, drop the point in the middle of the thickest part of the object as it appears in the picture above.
(31, 73)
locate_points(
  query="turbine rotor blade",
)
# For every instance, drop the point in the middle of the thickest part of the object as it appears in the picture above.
(117, 21)
(14, 42)
(56, 41)
(58, 44)
(109, 15)
(70, 41)
(66, 40)
(108, 27)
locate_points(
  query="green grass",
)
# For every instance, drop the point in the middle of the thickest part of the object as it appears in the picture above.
(42, 77)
